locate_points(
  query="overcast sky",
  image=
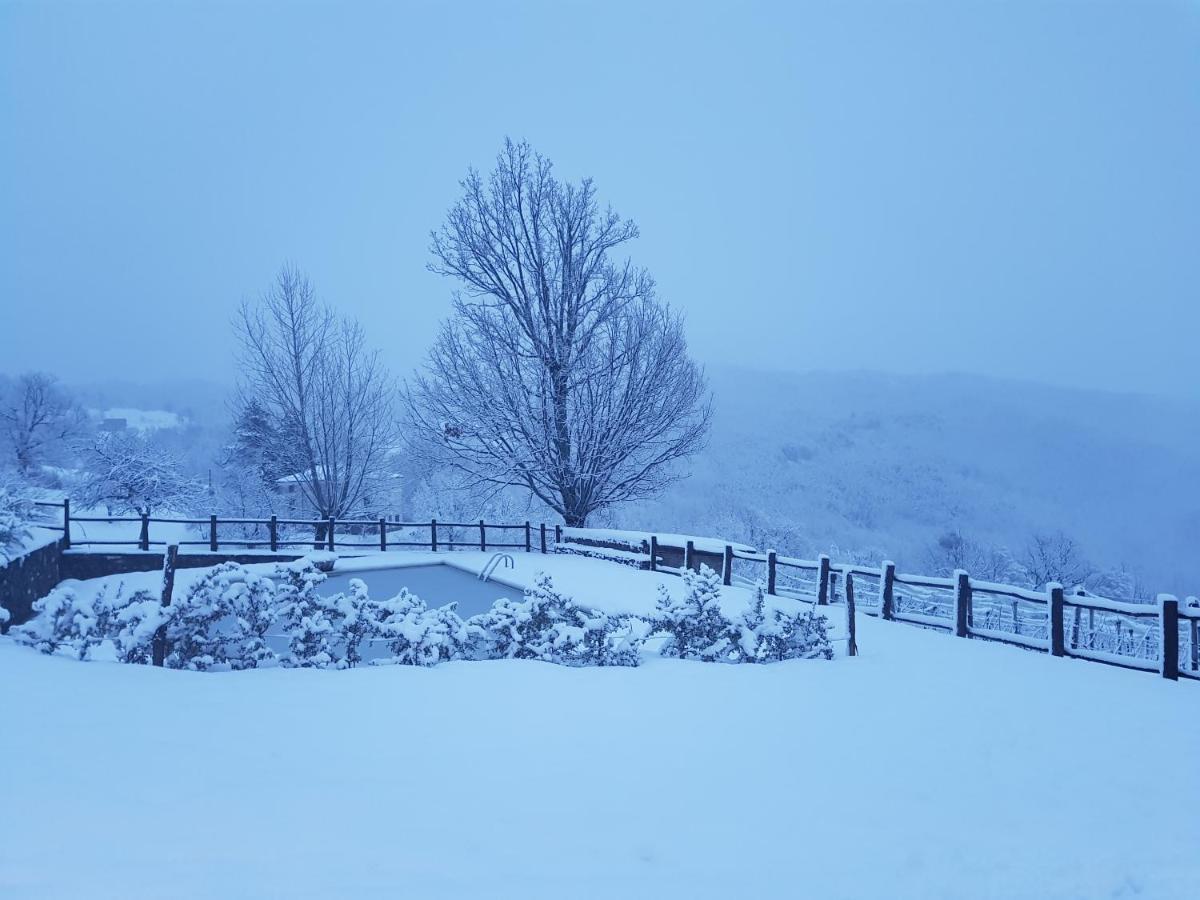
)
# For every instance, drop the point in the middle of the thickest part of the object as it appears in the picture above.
(1002, 188)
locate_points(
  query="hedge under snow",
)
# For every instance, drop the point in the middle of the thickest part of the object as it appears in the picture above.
(223, 621)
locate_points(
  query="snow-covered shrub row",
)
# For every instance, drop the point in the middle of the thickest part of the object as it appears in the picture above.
(225, 618)
(223, 621)
(696, 628)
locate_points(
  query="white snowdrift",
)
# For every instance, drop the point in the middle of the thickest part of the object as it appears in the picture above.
(929, 767)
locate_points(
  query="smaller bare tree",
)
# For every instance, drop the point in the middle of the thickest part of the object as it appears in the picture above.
(329, 401)
(38, 415)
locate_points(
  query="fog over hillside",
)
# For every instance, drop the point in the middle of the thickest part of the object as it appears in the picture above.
(883, 464)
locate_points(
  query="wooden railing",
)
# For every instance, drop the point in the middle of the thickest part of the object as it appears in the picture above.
(1159, 637)
(280, 533)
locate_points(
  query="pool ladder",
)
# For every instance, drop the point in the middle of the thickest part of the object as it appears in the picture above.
(494, 563)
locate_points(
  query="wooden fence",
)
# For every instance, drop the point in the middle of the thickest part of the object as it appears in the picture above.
(1163, 637)
(275, 533)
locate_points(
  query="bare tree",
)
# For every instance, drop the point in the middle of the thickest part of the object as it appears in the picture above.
(1055, 557)
(329, 399)
(559, 372)
(37, 414)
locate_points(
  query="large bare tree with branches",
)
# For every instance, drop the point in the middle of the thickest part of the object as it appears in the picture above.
(559, 372)
(330, 400)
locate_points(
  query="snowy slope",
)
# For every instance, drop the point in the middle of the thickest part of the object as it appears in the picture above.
(929, 767)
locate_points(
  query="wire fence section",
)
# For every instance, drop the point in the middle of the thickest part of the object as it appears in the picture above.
(1158, 637)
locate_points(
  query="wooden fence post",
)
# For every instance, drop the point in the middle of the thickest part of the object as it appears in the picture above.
(823, 582)
(689, 554)
(433, 535)
(144, 533)
(382, 534)
(1194, 635)
(557, 534)
(887, 591)
(158, 648)
(1075, 618)
(212, 533)
(332, 523)
(727, 568)
(1057, 630)
(482, 535)
(771, 557)
(542, 534)
(66, 523)
(962, 603)
(528, 538)
(653, 553)
(1168, 617)
(273, 531)
(851, 643)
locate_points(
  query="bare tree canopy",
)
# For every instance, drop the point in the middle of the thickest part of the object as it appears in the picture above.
(36, 415)
(329, 400)
(559, 372)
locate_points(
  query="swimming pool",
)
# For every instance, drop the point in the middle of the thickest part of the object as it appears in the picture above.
(436, 584)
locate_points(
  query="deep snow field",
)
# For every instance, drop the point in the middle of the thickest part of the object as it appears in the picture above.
(927, 767)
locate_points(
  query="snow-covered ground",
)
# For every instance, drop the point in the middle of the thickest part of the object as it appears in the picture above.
(927, 767)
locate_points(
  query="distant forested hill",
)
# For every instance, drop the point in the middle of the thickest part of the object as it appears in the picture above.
(883, 465)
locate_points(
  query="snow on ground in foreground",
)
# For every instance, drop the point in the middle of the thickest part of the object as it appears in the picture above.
(928, 767)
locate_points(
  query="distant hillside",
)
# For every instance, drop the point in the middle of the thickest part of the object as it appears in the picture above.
(884, 464)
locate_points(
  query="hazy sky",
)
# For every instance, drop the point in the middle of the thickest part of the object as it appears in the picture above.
(1005, 188)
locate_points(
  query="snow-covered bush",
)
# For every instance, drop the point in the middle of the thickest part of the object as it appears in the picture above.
(65, 619)
(15, 516)
(549, 626)
(68, 620)
(222, 619)
(132, 627)
(694, 625)
(310, 620)
(770, 635)
(418, 635)
(696, 628)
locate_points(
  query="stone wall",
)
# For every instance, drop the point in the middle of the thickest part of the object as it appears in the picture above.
(83, 564)
(28, 578)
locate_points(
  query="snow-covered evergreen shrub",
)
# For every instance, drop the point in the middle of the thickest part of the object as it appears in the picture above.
(696, 628)
(222, 619)
(360, 619)
(694, 625)
(310, 620)
(418, 635)
(133, 626)
(66, 620)
(770, 635)
(551, 627)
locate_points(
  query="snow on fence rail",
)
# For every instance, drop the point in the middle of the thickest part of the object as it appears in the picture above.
(275, 533)
(1162, 637)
